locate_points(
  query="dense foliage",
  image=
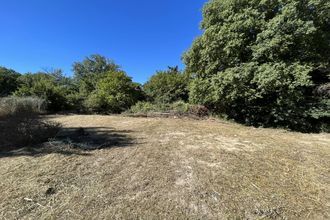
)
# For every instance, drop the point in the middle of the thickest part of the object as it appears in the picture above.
(167, 86)
(103, 86)
(45, 86)
(98, 85)
(261, 61)
(8, 81)
(179, 108)
(93, 68)
(114, 93)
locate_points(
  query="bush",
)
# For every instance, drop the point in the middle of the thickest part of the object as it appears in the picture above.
(115, 93)
(75, 102)
(20, 124)
(46, 87)
(179, 108)
(167, 86)
(11, 106)
(198, 110)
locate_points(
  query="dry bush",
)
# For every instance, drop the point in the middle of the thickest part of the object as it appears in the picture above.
(21, 105)
(199, 111)
(21, 125)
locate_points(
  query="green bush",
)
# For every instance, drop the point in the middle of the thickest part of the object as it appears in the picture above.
(46, 87)
(179, 108)
(143, 107)
(75, 102)
(114, 93)
(167, 86)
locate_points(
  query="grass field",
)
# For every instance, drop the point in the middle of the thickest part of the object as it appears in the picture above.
(113, 167)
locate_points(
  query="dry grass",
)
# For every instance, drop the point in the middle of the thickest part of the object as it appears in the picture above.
(20, 124)
(152, 168)
(10, 106)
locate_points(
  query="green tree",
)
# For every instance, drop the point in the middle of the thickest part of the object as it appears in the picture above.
(114, 93)
(167, 86)
(93, 68)
(8, 81)
(260, 61)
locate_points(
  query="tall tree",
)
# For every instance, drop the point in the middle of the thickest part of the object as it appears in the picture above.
(260, 61)
(89, 71)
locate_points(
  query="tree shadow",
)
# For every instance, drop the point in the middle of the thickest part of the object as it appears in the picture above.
(25, 136)
(92, 138)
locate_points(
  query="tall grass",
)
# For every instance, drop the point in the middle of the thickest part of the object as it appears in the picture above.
(11, 106)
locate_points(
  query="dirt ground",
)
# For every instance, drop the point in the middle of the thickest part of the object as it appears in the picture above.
(113, 167)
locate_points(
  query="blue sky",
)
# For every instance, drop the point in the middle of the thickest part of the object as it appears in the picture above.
(140, 35)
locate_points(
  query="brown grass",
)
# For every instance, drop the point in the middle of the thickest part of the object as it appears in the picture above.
(24, 130)
(152, 168)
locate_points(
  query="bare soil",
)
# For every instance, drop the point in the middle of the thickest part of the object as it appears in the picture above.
(113, 167)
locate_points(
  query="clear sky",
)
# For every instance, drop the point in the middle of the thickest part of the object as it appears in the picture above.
(140, 35)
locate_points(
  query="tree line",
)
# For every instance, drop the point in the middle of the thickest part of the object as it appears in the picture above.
(98, 85)
(258, 62)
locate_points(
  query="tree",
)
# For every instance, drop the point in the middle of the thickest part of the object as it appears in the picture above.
(258, 60)
(8, 81)
(114, 93)
(91, 70)
(167, 86)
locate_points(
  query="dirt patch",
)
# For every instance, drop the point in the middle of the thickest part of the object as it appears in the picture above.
(163, 168)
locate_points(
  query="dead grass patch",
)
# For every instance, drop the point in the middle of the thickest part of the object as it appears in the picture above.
(172, 169)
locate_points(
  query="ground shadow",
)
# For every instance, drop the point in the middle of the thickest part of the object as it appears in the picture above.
(92, 138)
(37, 137)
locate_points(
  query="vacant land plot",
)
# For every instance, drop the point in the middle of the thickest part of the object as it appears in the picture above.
(111, 167)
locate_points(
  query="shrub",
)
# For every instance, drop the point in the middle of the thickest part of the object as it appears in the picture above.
(142, 107)
(75, 102)
(115, 93)
(11, 106)
(199, 111)
(46, 87)
(20, 124)
(179, 108)
(167, 86)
